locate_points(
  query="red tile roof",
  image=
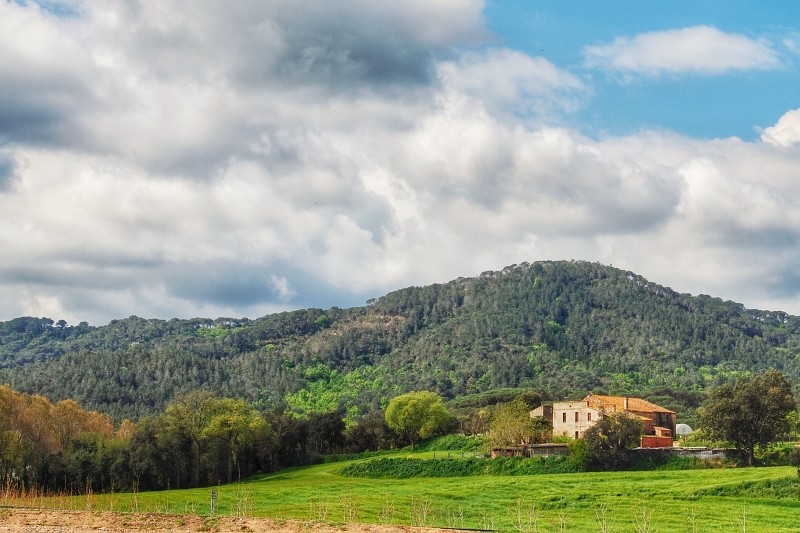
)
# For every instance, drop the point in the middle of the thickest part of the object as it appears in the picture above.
(617, 403)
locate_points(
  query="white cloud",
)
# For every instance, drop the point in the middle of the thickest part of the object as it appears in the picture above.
(513, 84)
(698, 49)
(786, 132)
(792, 43)
(223, 162)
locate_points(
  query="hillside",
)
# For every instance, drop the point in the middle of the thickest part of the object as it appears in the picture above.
(563, 328)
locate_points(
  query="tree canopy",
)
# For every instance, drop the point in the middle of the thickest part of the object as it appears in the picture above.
(417, 415)
(562, 328)
(608, 440)
(751, 413)
(200, 439)
(512, 425)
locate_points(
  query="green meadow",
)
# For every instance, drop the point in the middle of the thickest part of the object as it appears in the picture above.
(710, 500)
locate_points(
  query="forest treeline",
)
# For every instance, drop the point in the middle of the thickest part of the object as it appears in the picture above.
(562, 328)
(198, 440)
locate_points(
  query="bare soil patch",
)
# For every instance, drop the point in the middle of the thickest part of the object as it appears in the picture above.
(17, 520)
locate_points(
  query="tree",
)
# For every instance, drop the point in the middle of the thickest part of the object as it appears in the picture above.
(189, 416)
(369, 434)
(70, 420)
(474, 421)
(289, 436)
(512, 424)
(608, 441)
(417, 415)
(793, 421)
(325, 433)
(750, 414)
(542, 430)
(531, 399)
(146, 457)
(235, 428)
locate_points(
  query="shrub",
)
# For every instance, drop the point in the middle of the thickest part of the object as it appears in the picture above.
(794, 459)
(454, 442)
(778, 455)
(608, 441)
(400, 468)
(579, 454)
(668, 461)
(786, 488)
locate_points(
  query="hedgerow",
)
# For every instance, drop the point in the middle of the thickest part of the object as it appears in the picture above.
(402, 468)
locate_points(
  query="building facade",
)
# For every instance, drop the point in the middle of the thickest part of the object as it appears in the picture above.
(573, 418)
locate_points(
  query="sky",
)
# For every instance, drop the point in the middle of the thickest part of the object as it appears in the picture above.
(235, 159)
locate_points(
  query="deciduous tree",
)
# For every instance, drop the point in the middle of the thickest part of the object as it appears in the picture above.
(370, 433)
(417, 415)
(189, 416)
(325, 433)
(511, 424)
(750, 414)
(235, 428)
(609, 439)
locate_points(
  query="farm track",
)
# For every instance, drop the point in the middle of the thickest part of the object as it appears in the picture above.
(15, 520)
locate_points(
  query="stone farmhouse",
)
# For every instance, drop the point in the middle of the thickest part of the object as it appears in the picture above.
(573, 418)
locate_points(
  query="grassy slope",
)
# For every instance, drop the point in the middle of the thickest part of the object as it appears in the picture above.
(319, 493)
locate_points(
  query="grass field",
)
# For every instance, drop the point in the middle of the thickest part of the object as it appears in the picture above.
(661, 501)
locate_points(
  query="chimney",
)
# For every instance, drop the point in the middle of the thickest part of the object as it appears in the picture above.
(625, 403)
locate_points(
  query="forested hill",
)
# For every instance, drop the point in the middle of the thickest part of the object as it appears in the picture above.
(563, 328)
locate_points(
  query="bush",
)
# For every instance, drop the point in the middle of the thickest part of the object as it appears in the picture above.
(794, 459)
(339, 457)
(787, 488)
(610, 439)
(778, 455)
(579, 454)
(667, 461)
(520, 466)
(400, 468)
(459, 443)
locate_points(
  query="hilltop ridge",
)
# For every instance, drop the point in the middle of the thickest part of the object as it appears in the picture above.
(564, 328)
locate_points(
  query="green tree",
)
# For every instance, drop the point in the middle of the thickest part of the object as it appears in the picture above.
(793, 421)
(531, 399)
(146, 458)
(189, 416)
(235, 428)
(512, 424)
(750, 414)
(417, 415)
(542, 430)
(325, 433)
(289, 435)
(608, 441)
(369, 434)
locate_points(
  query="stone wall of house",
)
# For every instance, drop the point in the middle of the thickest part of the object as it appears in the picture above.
(573, 418)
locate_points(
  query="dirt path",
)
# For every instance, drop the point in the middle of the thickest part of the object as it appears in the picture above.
(47, 521)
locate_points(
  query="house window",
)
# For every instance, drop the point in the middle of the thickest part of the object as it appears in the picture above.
(576, 416)
(576, 434)
(589, 417)
(564, 417)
